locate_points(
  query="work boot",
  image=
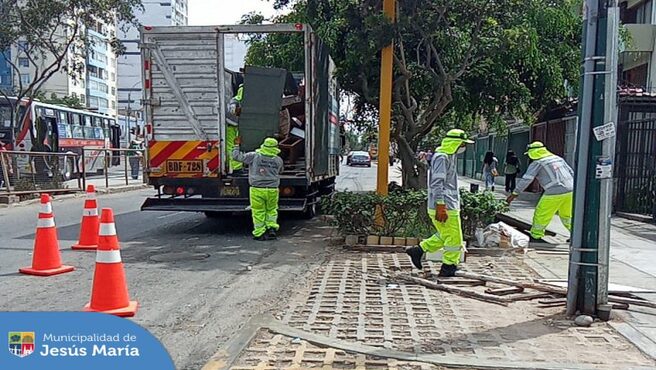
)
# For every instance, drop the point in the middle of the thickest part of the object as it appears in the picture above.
(537, 242)
(260, 238)
(271, 234)
(448, 270)
(415, 253)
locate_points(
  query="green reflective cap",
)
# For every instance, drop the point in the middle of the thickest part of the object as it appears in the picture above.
(457, 133)
(534, 145)
(271, 142)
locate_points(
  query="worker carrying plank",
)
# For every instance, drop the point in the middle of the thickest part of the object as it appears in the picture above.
(557, 179)
(264, 168)
(444, 205)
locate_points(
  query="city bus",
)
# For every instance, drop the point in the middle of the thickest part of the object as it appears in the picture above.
(52, 128)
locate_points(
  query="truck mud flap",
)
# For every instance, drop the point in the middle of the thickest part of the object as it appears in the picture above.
(215, 204)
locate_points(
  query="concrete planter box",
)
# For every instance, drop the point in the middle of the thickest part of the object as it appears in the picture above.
(386, 240)
(399, 240)
(373, 240)
(351, 240)
(411, 241)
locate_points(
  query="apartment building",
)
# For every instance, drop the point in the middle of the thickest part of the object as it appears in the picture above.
(154, 13)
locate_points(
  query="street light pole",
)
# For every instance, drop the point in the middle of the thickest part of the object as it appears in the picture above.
(589, 256)
(385, 107)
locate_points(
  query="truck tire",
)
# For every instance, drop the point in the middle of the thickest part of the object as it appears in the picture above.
(311, 210)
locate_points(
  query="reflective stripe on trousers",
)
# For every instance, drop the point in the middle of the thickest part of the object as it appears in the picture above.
(264, 209)
(231, 134)
(448, 237)
(547, 207)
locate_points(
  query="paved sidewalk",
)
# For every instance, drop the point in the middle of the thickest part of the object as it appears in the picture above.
(347, 302)
(633, 252)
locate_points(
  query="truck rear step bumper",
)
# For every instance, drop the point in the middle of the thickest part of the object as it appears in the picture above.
(216, 204)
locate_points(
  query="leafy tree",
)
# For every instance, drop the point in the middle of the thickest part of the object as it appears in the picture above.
(52, 36)
(456, 63)
(67, 101)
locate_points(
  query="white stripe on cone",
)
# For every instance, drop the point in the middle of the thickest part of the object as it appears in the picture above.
(107, 230)
(91, 196)
(90, 212)
(113, 256)
(46, 208)
(46, 223)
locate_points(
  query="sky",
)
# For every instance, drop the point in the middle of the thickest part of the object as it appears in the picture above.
(216, 12)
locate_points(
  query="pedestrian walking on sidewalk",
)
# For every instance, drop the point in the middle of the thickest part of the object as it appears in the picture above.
(134, 157)
(511, 169)
(490, 164)
(557, 179)
(264, 168)
(7, 162)
(444, 205)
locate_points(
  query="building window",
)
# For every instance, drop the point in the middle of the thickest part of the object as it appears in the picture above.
(23, 62)
(103, 103)
(113, 104)
(113, 77)
(93, 102)
(83, 98)
(25, 78)
(113, 90)
(23, 46)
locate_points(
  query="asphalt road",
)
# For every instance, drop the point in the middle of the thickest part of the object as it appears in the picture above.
(197, 280)
(363, 178)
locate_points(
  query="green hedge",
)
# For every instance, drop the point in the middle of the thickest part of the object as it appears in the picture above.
(405, 212)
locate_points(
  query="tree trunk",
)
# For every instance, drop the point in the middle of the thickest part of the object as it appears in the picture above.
(414, 172)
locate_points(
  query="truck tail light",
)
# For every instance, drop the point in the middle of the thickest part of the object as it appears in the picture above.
(287, 191)
(168, 190)
(180, 190)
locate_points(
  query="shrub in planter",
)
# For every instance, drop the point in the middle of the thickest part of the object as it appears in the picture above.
(403, 211)
(479, 210)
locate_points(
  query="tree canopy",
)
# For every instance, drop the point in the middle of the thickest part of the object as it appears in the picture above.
(455, 62)
(51, 35)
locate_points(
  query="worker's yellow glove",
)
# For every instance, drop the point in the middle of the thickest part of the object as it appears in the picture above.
(440, 213)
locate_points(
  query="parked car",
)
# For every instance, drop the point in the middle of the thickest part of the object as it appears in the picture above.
(359, 159)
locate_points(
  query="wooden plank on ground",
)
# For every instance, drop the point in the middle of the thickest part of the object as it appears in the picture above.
(452, 289)
(526, 285)
(504, 291)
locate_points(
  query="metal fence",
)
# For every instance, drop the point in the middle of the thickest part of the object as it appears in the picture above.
(26, 173)
(110, 168)
(636, 167)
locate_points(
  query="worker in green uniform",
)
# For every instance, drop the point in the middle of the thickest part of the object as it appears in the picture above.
(264, 168)
(232, 128)
(557, 179)
(444, 205)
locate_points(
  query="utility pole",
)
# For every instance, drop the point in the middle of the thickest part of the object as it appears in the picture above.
(589, 257)
(385, 107)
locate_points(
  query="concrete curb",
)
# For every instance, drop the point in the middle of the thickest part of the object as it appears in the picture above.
(228, 354)
(79, 193)
(642, 341)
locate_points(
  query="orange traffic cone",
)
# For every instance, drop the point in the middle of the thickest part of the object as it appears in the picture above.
(90, 223)
(109, 293)
(46, 260)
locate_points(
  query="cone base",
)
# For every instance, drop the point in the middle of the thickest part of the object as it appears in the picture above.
(79, 247)
(60, 270)
(127, 311)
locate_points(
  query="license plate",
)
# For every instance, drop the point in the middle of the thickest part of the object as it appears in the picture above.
(230, 191)
(184, 166)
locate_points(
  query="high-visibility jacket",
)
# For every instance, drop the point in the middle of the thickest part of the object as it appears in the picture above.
(443, 181)
(552, 172)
